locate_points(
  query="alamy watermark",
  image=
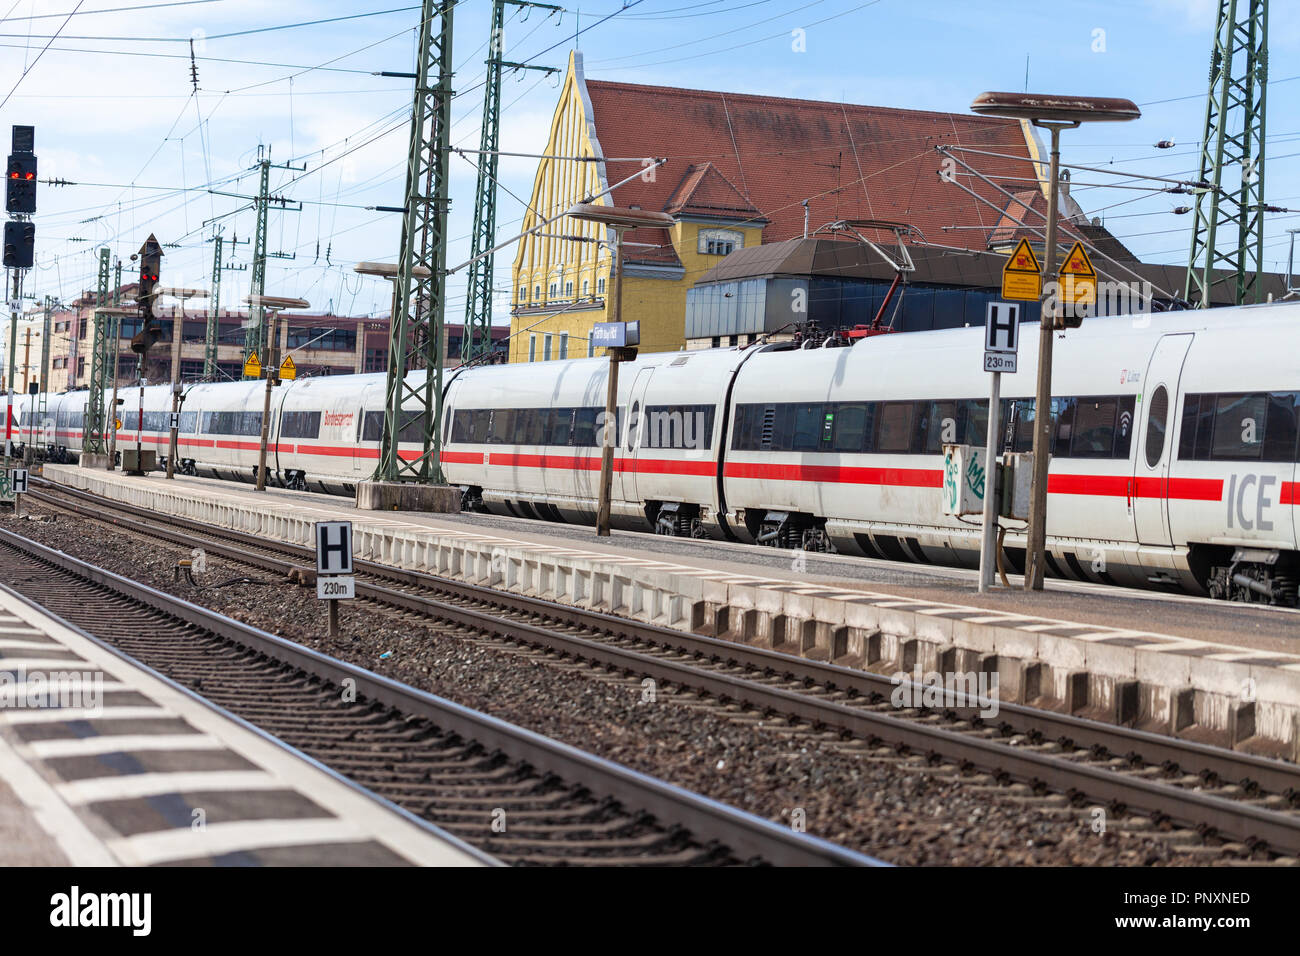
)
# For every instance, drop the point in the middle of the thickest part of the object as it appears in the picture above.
(935, 689)
(21, 689)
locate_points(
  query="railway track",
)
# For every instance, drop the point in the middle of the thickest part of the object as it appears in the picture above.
(1225, 796)
(458, 768)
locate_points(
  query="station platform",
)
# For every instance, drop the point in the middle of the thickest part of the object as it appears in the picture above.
(104, 763)
(1227, 674)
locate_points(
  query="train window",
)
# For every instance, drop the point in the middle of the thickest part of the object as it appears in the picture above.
(1094, 431)
(1022, 438)
(1157, 422)
(228, 423)
(480, 425)
(1063, 410)
(1283, 423)
(851, 426)
(530, 426)
(559, 426)
(411, 429)
(678, 426)
(938, 424)
(460, 425)
(503, 427)
(372, 427)
(975, 417)
(807, 434)
(189, 422)
(894, 428)
(1239, 424)
(300, 425)
(584, 427)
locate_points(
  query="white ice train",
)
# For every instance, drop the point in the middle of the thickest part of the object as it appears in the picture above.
(1174, 460)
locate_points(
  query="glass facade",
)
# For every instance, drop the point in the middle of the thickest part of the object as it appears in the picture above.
(767, 305)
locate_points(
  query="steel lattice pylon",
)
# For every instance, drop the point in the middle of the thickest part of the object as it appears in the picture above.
(477, 334)
(257, 284)
(214, 313)
(476, 337)
(1229, 228)
(415, 338)
(92, 426)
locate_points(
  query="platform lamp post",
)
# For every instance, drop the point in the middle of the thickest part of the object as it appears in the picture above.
(274, 305)
(178, 336)
(388, 270)
(1053, 113)
(620, 220)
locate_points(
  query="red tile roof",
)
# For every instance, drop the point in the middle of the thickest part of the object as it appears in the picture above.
(863, 162)
(1029, 207)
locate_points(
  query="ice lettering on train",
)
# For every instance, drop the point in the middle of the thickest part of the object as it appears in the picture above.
(1239, 492)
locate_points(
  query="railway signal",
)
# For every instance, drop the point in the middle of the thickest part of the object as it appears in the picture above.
(150, 256)
(20, 184)
(20, 244)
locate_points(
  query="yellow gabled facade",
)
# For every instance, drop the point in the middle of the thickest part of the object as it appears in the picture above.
(561, 275)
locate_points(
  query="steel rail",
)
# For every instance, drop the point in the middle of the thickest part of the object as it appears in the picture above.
(1249, 770)
(1228, 817)
(746, 835)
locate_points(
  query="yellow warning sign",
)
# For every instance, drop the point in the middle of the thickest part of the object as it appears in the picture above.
(1078, 278)
(117, 424)
(288, 369)
(252, 366)
(1022, 276)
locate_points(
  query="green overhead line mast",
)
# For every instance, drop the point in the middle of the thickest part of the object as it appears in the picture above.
(92, 426)
(477, 335)
(255, 331)
(416, 333)
(1229, 231)
(214, 311)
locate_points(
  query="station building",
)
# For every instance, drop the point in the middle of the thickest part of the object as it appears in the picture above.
(744, 172)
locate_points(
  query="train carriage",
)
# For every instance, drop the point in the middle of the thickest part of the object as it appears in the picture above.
(1174, 444)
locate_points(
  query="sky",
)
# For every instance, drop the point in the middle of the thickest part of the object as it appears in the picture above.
(118, 114)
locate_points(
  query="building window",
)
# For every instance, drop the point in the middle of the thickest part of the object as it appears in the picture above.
(720, 242)
(586, 286)
(376, 360)
(568, 290)
(532, 348)
(554, 289)
(600, 286)
(523, 293)
(591, 346)
(537, 292)
(81, 367)
(546, 348)
(564, 345)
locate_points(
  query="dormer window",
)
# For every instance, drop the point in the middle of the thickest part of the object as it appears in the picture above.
(720, 242)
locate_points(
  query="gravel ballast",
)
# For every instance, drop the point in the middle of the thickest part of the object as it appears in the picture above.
(869, 801)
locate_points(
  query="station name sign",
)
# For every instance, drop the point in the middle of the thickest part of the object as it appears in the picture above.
(615, 335)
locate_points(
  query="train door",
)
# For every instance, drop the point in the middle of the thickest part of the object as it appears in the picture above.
(1154, 438)
(634, 429)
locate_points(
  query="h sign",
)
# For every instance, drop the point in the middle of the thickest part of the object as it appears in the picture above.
(1002, 327)
(18, 481)
(333, 547)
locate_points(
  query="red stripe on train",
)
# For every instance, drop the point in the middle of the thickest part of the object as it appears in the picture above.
(840, 474)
